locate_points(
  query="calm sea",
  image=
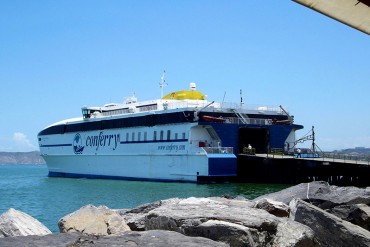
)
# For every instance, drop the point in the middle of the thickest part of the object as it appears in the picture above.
(28, 189)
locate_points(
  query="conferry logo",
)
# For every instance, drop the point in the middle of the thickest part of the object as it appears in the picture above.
(77, 144)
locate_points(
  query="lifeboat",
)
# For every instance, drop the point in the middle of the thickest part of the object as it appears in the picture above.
(213, 119)
(282, 122)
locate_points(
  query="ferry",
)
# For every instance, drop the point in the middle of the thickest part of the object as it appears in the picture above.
(179, 137)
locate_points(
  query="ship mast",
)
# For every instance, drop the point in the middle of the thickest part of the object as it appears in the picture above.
(241, 99)
(163, 83)
(313, 148)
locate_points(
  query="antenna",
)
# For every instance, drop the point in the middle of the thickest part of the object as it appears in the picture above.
(241, 99)
(313, 148)
(223, 100)
(163, 83)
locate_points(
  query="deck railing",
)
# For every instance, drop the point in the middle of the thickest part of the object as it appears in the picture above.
(218, 150)
(257, 121)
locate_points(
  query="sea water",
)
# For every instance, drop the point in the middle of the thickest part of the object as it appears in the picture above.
(28, 188)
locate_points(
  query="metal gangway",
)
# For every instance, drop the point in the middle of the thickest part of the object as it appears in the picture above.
(240, 116)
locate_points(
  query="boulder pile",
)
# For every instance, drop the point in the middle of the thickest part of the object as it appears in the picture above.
(305, 215)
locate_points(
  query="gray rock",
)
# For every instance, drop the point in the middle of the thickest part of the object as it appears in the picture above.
(321, 194)
(358, 214)
(294, 234)
(234, 234)
(193, 211)
(127, 239)
(304, 191)
(329, 229)
(135, 218)
(94, 220)
(232, 221)
(278, 209)
(16, 223)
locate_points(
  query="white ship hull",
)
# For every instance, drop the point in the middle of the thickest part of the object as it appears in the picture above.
(132, 167)
(135, 154)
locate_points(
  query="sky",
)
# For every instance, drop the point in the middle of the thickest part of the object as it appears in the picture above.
(58, 56)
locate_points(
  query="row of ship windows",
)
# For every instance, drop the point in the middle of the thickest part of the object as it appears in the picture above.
(156, 136)
(130, 110)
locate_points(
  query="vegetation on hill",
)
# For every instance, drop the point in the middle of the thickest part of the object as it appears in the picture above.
(21, 158)
(357, 150)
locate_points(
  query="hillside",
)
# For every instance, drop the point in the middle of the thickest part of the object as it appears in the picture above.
(357, 150)
(21, 158)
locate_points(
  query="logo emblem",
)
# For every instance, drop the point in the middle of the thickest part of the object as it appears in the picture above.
(78, 148)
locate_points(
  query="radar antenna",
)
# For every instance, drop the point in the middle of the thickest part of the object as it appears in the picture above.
(241, 99)
(163, 83)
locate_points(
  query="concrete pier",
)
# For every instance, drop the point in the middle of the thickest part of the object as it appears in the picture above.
(270, 168)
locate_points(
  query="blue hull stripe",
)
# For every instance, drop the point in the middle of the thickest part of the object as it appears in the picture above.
(56, 145)
(90, 176)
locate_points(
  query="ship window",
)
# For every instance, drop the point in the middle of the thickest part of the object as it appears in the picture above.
(145, 136)
(161, 135)
(133, 136)
(183, 135)
(155, 135)
(139, 136)
(127, 136)
(176, 136)
(168, 135)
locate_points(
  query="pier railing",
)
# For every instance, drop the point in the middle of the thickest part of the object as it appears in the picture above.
(218, 150)
(349, 158)
(324, 156)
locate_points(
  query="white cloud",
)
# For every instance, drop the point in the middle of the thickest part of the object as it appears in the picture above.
(22, 143)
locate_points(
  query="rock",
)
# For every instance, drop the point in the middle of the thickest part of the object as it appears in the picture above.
(16, 223)
(135, 218)
(94, 220)
(232, 221)
(358, 214)
(291, 234)
(329, 229)
(193, 211)
(127, 239)
(303, 191)
(234, 234)
(321, 194)
(278, 209)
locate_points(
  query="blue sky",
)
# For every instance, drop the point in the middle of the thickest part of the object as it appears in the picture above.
(57, 56)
